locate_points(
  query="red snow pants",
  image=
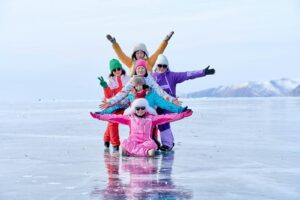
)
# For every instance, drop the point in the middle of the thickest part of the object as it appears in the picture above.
(112, 132)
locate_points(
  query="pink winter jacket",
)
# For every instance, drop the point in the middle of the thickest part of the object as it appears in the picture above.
(140, 140)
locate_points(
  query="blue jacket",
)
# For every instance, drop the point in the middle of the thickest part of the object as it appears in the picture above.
(153, 99)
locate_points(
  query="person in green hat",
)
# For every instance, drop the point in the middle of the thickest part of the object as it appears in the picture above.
(117, 80)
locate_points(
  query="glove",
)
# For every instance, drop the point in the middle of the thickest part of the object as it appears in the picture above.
(187, 113)
(168, 37)
(185, 109)
(111, 39)
(94, 115)
(102, 82)
(208, 71)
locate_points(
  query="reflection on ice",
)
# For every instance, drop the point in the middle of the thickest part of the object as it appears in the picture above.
(229, 149)
(148, 178)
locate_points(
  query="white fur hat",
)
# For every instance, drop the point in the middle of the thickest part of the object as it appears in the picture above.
(138, 103)
(162, 59)
(142, 47)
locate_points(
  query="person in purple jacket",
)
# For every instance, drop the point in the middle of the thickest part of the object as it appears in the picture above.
(168, 81)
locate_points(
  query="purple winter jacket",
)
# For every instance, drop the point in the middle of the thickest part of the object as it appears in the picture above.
(169, 79)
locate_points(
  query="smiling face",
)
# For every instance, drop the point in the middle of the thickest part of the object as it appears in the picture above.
(139, 54)
(138, 87)
(140, 110)
(117, 72)
(140, 70)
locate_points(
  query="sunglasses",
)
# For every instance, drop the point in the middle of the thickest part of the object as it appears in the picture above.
(140, 108)
(117, 69)
(163, 66)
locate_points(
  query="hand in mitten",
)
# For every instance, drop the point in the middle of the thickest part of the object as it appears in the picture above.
(94, 115)
(208, 71)
(184, 109)
(102, 82)
(168, 37)
(188, 113)
(111, 39)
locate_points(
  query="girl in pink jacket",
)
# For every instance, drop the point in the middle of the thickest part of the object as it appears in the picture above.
(141, 119)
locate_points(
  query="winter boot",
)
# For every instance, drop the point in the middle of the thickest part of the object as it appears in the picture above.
(115, 148)
(165, 148)
(106, 145)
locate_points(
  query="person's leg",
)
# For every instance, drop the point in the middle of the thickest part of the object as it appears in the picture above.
(127, 146)
(155, 137)
(114, 135)
(144, 149)
(166, 135)
(106, 136)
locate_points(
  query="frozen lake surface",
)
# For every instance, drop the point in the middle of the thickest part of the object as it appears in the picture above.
(235, 148)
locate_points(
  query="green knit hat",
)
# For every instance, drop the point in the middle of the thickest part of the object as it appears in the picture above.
(114, 64)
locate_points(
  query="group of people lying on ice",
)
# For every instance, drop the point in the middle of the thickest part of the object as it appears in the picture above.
(144, 100)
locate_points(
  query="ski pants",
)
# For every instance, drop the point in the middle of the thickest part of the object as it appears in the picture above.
(112, 132)
(166, 135)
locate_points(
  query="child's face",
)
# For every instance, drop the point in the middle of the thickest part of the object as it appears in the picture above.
(138, 87)
(139, 54)
(140, 70)
(140, 110)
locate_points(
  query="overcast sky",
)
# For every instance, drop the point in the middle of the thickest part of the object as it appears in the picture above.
(56, 49)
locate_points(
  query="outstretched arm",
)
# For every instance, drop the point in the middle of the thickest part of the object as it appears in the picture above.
(121, 55)
(153, 84)
(183, 76)
(161, 119)
(121, 105)
(160, 50)
(164, 104)
(122, 119)
(122, 94)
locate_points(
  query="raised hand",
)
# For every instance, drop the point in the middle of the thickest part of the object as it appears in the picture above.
(208, 71)
(102, 82)
(111, 39)
(168, 37)
(104, 105)
(132, 91)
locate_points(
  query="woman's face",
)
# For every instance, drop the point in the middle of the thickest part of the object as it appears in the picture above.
(140, 110)
(139, 54)
(117, 72)
(140, 70)
(138, 87)
(161, 68)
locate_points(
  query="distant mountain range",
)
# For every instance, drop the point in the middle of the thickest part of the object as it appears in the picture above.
(273, 88)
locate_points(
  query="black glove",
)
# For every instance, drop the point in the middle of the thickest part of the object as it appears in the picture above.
(185, 109)
(111, 39)
(168, 37)
(208, 71)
